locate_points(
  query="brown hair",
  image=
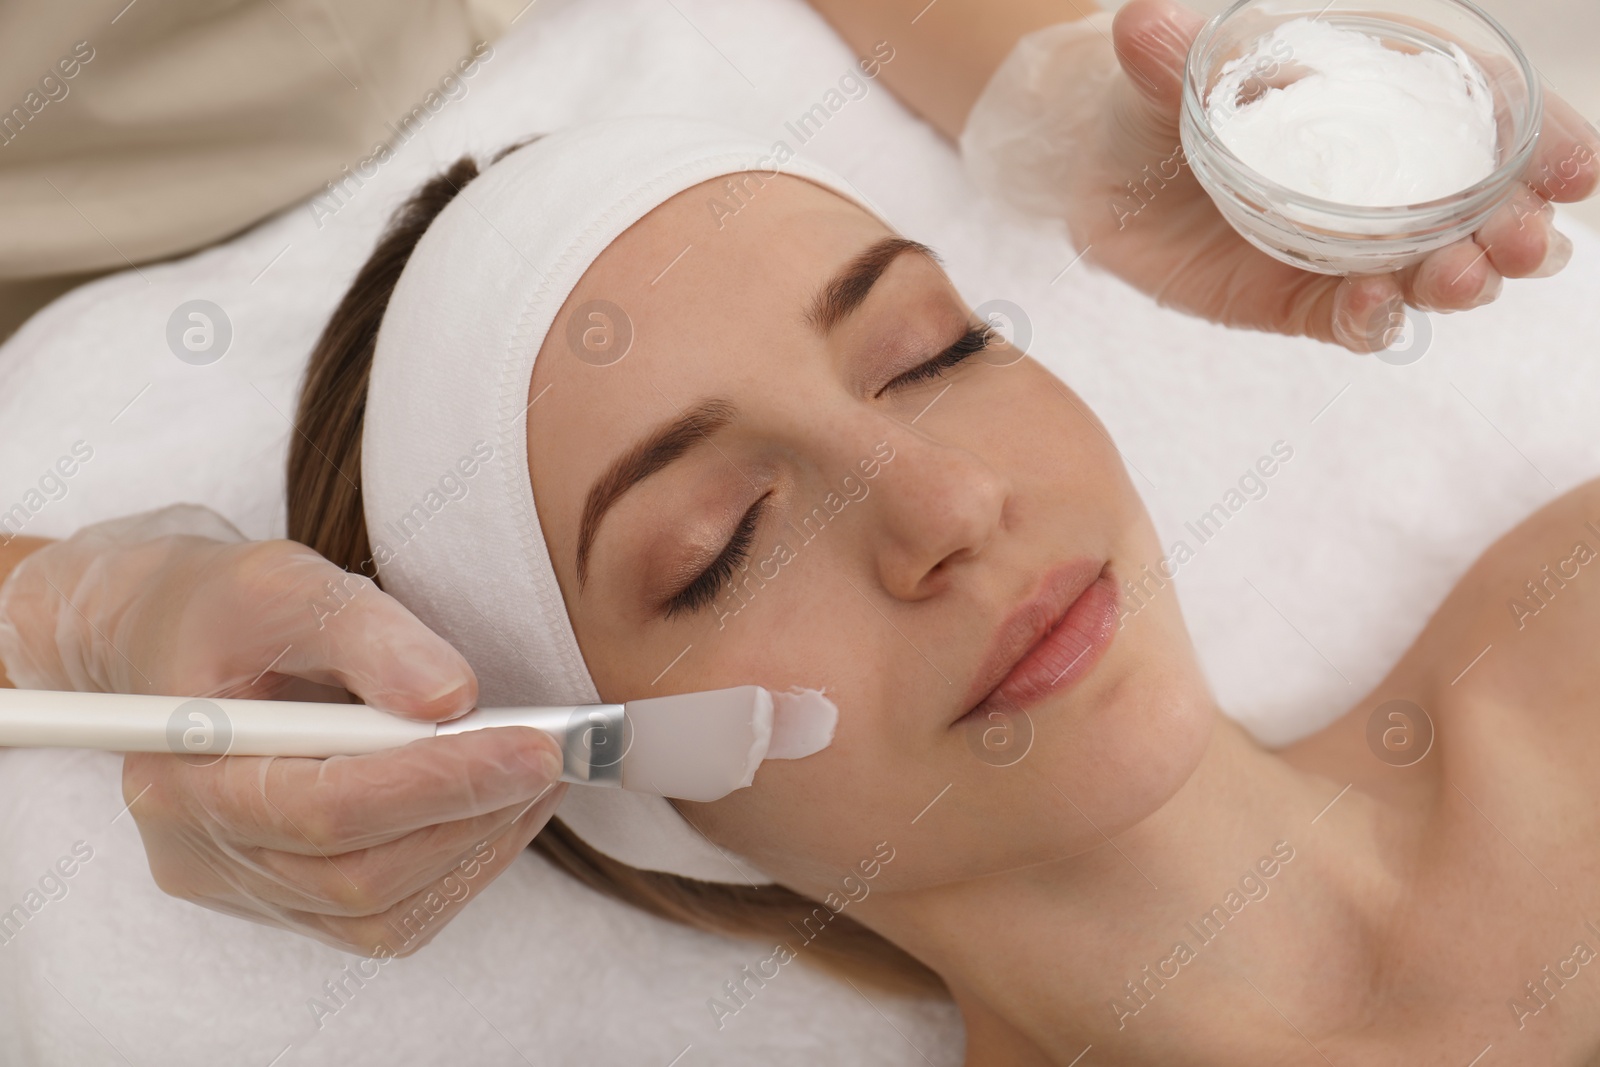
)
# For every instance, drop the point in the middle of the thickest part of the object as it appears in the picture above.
(325, 512)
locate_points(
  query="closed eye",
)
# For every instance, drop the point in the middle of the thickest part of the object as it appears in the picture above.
(977, 338)
(704, 588)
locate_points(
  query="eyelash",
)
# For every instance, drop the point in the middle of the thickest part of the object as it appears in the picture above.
(704, 588)
(977, 338)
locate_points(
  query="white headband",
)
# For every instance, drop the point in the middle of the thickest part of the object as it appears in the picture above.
(444, 469)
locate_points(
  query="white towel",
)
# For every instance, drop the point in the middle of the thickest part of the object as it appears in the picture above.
(1400, 476)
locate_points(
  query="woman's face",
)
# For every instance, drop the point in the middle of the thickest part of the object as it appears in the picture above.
(799, 472)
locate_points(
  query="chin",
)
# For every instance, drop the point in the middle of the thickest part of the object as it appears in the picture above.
(1103, 758)
(1131, 744)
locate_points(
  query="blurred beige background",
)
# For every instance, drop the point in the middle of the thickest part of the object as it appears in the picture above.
(1562, 39)
(209, 182)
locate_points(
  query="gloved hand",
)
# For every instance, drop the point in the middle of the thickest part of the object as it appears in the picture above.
(371, 853)
(1067, 123)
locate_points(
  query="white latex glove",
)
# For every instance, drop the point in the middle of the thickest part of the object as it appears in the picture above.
(345, 850)
(1068, 127)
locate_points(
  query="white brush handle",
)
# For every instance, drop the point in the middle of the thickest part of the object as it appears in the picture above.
(123, 722)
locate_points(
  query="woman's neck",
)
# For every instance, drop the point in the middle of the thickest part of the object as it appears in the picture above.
(1156, 946)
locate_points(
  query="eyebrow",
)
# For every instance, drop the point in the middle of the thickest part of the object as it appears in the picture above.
(670, 441)
(842, 294)
(847, 289)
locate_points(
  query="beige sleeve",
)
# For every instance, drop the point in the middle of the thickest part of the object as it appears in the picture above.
(136, 131)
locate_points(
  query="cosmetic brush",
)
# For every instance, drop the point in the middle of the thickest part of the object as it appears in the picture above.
(693, 746)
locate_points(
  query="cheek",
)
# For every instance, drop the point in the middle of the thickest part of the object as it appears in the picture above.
(810, 821)
(1069, 444)
(1058, 456)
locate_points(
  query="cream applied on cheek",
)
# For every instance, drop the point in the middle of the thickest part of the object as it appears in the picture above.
(702, 746)
(803, 722)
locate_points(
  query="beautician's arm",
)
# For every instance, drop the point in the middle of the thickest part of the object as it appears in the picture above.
(1091, 136)
(943, 60)
(12, 552)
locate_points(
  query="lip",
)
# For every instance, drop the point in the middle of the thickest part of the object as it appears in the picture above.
(1050, 641)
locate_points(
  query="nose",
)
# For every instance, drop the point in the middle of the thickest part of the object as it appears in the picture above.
(938, 505)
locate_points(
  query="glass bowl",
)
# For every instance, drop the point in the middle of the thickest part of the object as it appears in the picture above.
(1326, 236)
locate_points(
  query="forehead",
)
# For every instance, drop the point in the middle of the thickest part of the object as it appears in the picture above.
(706, 293)
(728, 248)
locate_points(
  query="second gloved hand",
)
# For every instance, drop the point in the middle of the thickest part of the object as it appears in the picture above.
(1081, 122)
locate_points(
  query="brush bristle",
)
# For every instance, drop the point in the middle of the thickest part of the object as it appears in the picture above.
(697, 746)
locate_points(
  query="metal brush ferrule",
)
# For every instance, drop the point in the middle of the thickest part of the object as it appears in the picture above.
(593, 737)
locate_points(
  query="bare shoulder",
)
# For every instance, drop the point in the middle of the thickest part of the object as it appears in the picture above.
(1522, 627)
(1515, 644)
(1546, 566)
